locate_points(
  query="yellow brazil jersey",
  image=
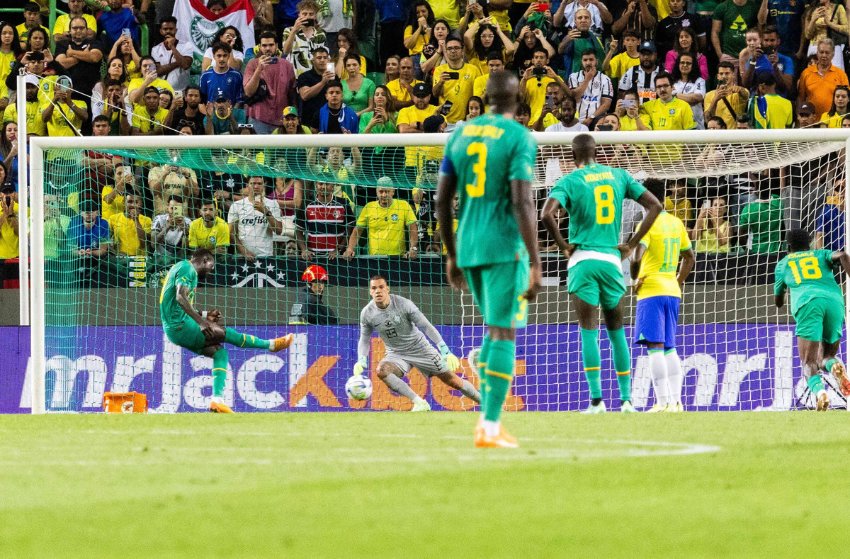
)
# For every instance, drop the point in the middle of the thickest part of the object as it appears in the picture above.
(455, 222)
(627, 124)
(420, 42)
(6, 61)
(124, 234)
(63, 24)
(399, 92)
(158, 83)
(457, 91)
(833, 121)
(410, 116)
(201, 236)
(535, 96)
(64, 121)
(9, 238)
(620, 64)
(675, 115)
(107, 210)
(142, 120)
(35, 125)
(479, 87)
(665, 240)
(683, 209)
(387, 226)
(738, 104)
(549, 120)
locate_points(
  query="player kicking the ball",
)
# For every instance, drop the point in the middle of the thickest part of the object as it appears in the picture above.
(403, 328)
(593, 196)
(489, 162)
(203, 335)
(818, 308)
(659, 292)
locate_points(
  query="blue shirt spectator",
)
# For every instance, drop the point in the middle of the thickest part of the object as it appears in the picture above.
(116, 20)
(88, 231)
(830, 229)
(220, 79)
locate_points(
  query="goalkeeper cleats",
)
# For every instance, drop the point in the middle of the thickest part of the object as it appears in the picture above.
(220, 407)
(822, 401)
(421, 404)
(594, 410)
(839, 371)
(282, 343)
(627, 407)
(659, 408)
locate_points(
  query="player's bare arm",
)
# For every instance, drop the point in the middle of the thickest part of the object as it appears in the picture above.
(549, 217)
(526, 216)
(446, 189)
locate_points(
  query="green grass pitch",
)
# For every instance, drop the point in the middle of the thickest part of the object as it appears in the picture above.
(411, 485)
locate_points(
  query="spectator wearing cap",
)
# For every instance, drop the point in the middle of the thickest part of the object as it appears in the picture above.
(807, 116)
(173, 58)
(116, 20)
(148, 120)
(150, 78)
(32, 20)
(269, 84)
(80, 56)
(335, 117)
(729, 100)
(640, 16)
(410, 121)
(35, 124)
(302, 39)
(221, 79)
(667, 30)
(641, 78)
(386, 221)
(765, 57)
(310, 309)
(428, 158)
(578, 40)
(88, 233)
(818, 81)
(615, 65)
(290, 123)
(323, 225)
(729, 23)
(64, 116)
(592, 90)
(454, 80)
(313, 83)
(535, 82)
(768, 109)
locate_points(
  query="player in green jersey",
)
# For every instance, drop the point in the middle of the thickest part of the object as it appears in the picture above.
(202, 333)
(593, 197)
(489, 161)
(818, 308)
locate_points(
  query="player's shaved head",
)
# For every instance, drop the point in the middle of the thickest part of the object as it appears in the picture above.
(655, 187)
(798, 239)
(502, 91)
(584, 148)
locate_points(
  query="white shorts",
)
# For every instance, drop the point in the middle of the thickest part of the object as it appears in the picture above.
(429, 363)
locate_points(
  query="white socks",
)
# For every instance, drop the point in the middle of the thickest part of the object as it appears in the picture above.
(675, 377)
(660, 382)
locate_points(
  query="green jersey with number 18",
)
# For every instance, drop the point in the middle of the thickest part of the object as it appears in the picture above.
(485, 155)
(593, 196)
(809, 275)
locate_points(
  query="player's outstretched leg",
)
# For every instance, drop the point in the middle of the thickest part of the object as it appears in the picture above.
(233, 337)
(465, 387)
(499, 372)
(834, 365)
(675, 379)
(391, 376)
(811, 369)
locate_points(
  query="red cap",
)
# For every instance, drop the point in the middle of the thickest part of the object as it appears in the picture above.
(314, 273)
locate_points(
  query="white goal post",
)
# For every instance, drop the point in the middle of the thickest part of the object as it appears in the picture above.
(666, 155)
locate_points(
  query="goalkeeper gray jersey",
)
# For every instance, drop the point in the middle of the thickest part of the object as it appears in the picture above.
(400, 325)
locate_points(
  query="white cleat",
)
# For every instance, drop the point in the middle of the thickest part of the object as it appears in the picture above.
(658, 408)
(421, 405)
(676, 407)
(594, 410)
(627, 407)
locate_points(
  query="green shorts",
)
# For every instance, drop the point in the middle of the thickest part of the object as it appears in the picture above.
(820, 320)
(597, 283)
(187, 335)
(497, 290)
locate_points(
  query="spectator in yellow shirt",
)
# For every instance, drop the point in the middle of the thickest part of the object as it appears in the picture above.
(112, 198)
(64, 116)
(149, 119)
(454, 80)
(401, 88)
(209, 231)
(8, 222)
(130, 230)
(677, 202)
(386, 220)
(615, 65)
(62, 27)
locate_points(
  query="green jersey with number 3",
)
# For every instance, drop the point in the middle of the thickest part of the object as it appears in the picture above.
(593, 196)
(182, 273)
(485, 155)
(809, 276)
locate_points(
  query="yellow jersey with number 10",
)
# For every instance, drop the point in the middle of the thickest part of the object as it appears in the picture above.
(663, 243)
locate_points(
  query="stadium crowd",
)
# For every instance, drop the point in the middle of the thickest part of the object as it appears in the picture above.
(396, 67)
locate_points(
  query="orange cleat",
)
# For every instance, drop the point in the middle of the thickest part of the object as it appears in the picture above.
(840, 374)
(502, 440)
(218, 407)
(282, 343)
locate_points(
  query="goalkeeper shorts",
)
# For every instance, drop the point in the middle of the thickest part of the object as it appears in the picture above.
(497, 291)
(597, 283)
(187, 334)
(429, 361)
(820, 320)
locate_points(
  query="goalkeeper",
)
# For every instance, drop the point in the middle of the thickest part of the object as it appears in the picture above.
(203, 333)
(401, 325)
(818, 308)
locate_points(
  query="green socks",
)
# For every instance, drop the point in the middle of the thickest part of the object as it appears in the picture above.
(815, 383)
(499, 372)
(827, 365)
(591, 360)
(233, 337)
(483, 355)
(219, 372)
(622, 362)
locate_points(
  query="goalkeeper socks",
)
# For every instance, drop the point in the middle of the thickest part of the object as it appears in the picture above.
(469, 391)
(675, 377)
(400, 387)
(815, 383)
(483, 355)
(622, 362)
(658, 368)
(500, 372)
(219, 372)
(591, 360)
(233, 337)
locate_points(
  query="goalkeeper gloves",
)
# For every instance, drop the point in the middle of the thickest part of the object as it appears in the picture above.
(452, 362)
(360, 366)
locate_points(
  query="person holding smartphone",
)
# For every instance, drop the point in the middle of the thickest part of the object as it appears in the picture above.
(454, 80)
(271, 81)
(302, 39)
(170, 230)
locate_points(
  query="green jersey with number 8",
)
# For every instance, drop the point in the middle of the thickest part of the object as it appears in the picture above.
(593, 197)
(809, 276)
(485, 155)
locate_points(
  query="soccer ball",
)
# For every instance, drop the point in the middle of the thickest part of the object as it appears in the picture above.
(474, 353)
(358, 388)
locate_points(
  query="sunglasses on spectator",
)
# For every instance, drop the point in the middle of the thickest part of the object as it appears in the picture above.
(249, 126)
